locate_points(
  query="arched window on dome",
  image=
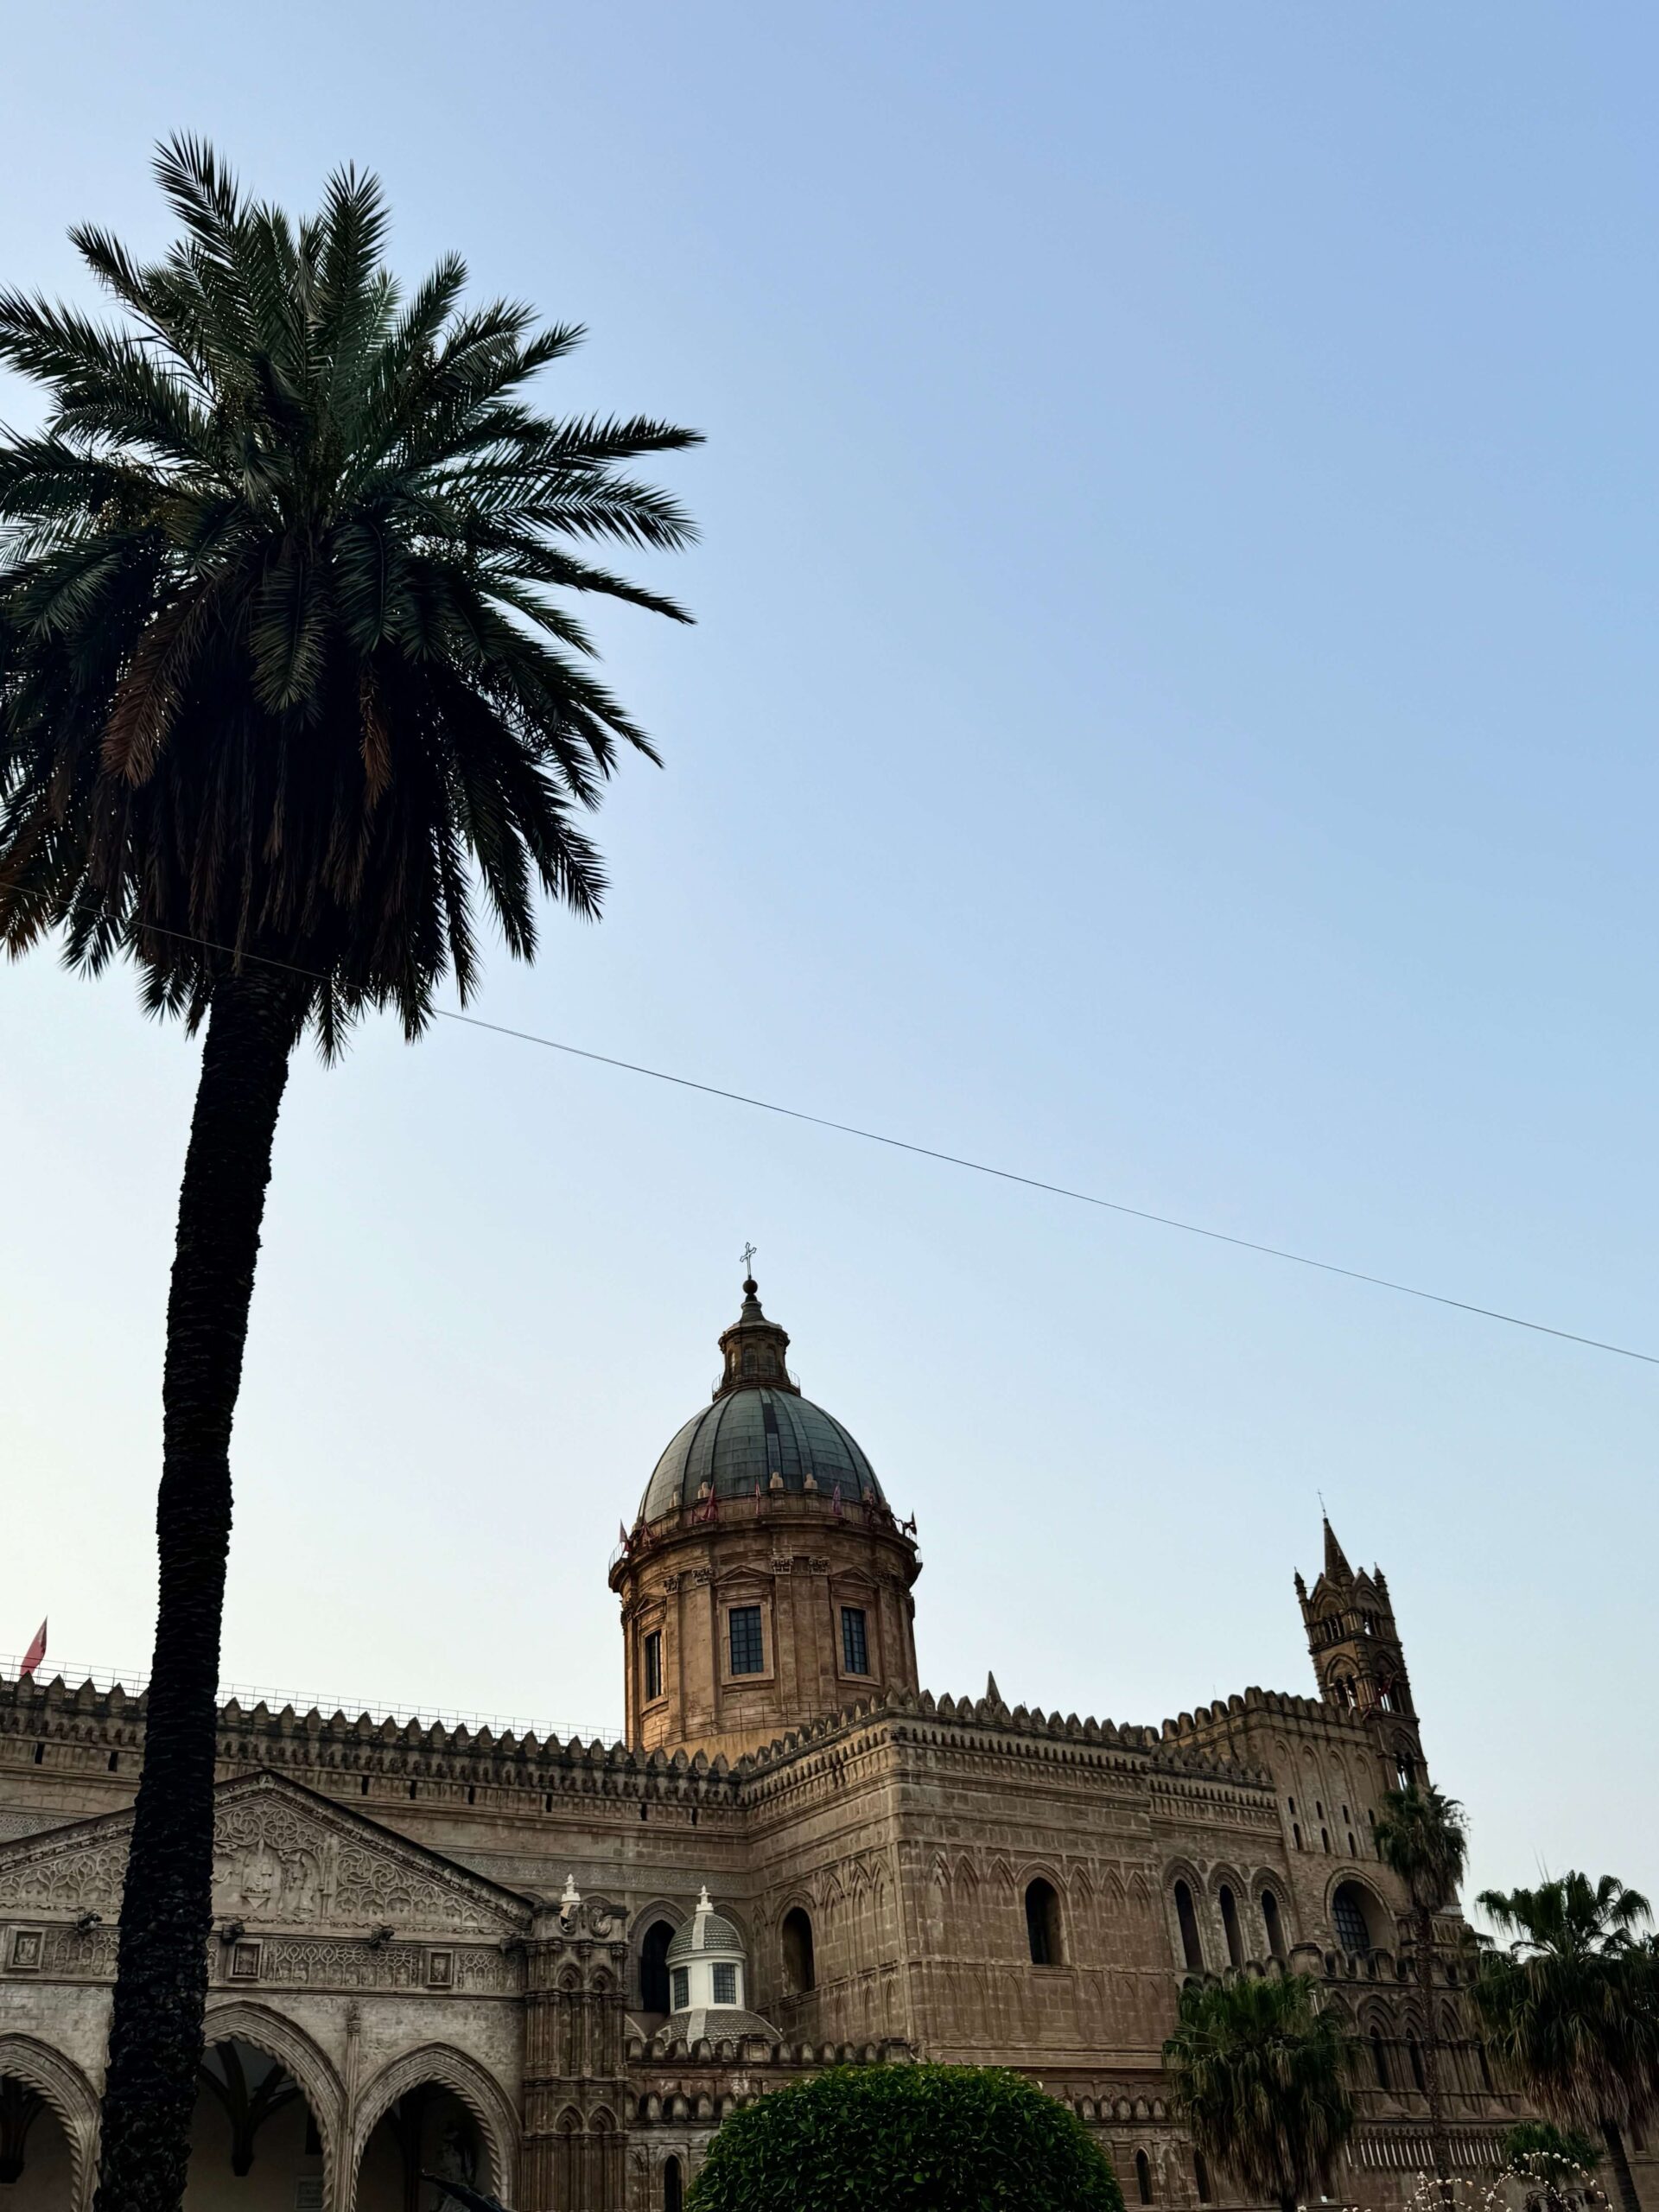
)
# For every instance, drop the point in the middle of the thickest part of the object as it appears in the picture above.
(1230, 1927)
(1043, 1924)
(799, 1972)
(653, 1967)
(749, 1359)
(1191, 1949)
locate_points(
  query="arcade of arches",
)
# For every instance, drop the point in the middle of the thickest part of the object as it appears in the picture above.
(553, 1966)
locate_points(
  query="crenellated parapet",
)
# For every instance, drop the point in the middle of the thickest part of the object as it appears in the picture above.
(90, 1730)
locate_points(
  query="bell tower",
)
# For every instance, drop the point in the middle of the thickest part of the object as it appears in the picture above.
(1358, 1657)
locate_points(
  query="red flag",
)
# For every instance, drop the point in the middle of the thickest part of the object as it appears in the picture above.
(622, 1535)
(35, 1652)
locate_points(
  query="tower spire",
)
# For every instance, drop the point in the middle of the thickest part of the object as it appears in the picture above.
(1335, 1560)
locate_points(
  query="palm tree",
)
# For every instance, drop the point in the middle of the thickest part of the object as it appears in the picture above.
(1259, 2074)
(1572, 2006)
(288, 689)
(1421, 1834)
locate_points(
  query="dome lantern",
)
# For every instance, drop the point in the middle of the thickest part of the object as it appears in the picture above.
(754, 1349)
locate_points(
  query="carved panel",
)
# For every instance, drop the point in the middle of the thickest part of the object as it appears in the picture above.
(276, 1859)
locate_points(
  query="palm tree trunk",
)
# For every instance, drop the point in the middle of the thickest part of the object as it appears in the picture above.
(156, 2036)
(1613, 2136)
(1439, 2138)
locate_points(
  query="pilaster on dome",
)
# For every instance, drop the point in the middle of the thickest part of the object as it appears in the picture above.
(753, 1350)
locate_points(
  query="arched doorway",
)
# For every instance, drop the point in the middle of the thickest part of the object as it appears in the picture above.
(255, 2142)
(37, 2167)
(429, 2130)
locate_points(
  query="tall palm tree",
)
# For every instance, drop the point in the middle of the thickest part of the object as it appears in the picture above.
(1572, 2006)
(1421, 1834)
(288, 689)
(1259, 2074)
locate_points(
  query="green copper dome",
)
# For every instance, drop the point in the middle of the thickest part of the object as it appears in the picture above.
(759, 1428)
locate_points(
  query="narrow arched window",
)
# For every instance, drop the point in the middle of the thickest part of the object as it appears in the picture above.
(1273, 1924)
(1230, 1927)
(1043, 1924)
(1405, 1768)
(1380, 2060)
(1143, 2178)
(799, 1975)
(653, 1967)
(673, 2186)
(1485, 2068)
(1201, 2176)
(1413, 2052)
(1191, 1949)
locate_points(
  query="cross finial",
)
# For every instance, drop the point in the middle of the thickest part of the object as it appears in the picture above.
(748, 1258)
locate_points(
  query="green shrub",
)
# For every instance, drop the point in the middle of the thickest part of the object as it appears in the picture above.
(906, 2139)
(1533, 2147)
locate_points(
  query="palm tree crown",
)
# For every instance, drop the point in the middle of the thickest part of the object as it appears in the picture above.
(1572, 2006)
(284, 671)
(1420, 1835)
(1259, 2074)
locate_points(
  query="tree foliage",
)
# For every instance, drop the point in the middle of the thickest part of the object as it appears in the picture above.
(1571, 2007)
(1532, 2148)
(288, 664)
(1421, 1834)
(906, 2139)
(1259, 2075)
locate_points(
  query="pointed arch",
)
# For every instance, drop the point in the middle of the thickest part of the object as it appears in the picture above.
(61, 2086)
(303, 2061)
(477, 2090)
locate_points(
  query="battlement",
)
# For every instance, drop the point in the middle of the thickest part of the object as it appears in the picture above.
(1279, 1704)
(921, 1715)
(97, 1721)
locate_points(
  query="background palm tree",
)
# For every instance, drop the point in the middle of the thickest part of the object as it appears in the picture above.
(1260, 2076)
(1572, 2006)
(288, 689)
(1420, 1835)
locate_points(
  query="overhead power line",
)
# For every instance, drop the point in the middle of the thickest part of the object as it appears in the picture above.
(973, 1167)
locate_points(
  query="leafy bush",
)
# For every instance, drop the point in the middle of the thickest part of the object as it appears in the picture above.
(1534, 2146)
(906, 2139)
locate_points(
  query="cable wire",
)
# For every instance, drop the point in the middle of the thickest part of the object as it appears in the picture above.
(971, 1167)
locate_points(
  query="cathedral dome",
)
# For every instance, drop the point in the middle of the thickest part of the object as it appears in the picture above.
(759, 1432)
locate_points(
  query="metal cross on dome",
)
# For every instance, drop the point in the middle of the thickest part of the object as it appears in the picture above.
(749, 1251)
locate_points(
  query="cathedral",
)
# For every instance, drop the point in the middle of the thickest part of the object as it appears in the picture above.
(552, 1967)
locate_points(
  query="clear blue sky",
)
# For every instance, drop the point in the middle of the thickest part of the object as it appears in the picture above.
(1173, 712)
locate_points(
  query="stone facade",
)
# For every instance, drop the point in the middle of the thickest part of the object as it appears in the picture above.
(453, 1943)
